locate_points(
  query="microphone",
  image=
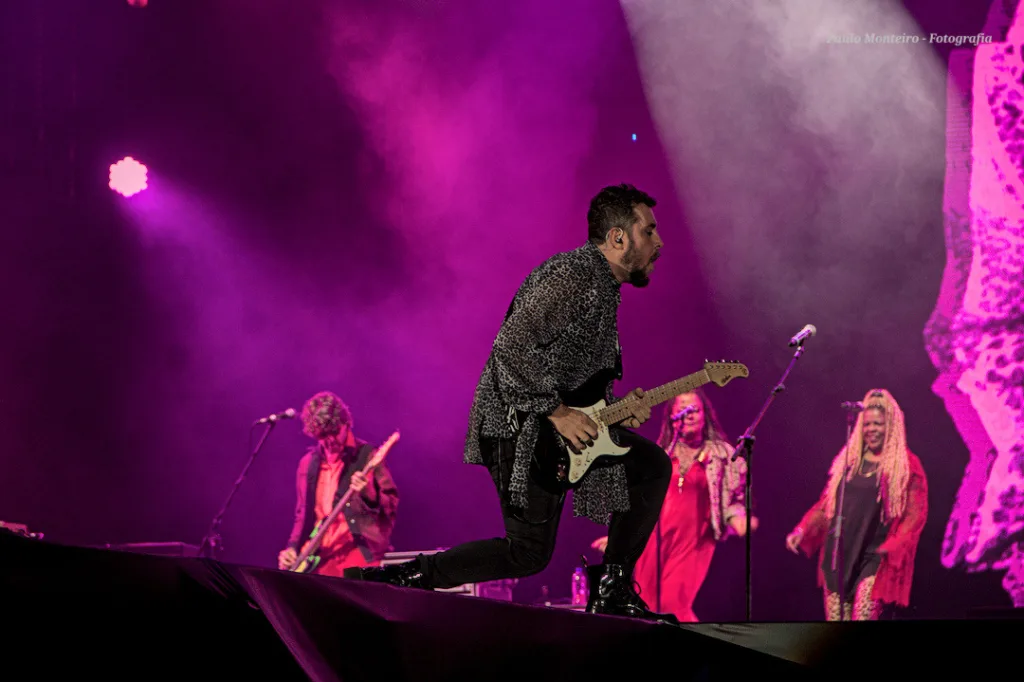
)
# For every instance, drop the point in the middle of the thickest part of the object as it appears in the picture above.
(287, 414)
(681, 414)
(802, 335)
(852, 406)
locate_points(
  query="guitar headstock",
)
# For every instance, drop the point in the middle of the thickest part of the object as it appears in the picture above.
(723, 372)
(382, 451)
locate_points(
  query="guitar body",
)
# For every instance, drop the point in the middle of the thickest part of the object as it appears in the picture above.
(309, 557)
(588, 399)
(603, 446)
(308, 565)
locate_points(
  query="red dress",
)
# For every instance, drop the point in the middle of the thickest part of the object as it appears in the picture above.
(686, 542)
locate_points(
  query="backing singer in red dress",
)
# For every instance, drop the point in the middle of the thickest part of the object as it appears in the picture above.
(704, 505)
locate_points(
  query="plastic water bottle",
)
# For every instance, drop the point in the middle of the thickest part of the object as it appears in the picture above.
(580, 590)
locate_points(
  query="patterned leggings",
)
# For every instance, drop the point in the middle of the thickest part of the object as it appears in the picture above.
(863, 606)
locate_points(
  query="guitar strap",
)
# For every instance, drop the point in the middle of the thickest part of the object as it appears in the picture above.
(360, 459)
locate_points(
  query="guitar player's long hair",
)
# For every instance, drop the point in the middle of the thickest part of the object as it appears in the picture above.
(713, 430)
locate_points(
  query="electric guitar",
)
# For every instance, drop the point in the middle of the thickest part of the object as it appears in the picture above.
(571, 466)
(308, 559)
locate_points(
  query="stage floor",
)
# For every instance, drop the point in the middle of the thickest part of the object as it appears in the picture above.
(75, 613)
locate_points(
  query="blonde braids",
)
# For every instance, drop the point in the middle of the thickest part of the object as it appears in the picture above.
(894, 468)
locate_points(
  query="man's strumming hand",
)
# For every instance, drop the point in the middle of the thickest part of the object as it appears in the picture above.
(573, 425)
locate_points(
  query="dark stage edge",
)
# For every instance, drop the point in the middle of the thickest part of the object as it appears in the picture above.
(71, 613)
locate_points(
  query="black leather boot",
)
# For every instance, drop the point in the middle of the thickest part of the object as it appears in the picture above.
(612, 593)
(407, 574)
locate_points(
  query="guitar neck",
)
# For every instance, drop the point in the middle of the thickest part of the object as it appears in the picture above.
(314, 544)
(617, 412)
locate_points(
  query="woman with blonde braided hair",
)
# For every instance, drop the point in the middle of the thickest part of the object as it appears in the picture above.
(884, 510)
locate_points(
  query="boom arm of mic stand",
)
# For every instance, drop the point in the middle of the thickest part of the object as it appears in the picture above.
(745, 449)
(211, 541)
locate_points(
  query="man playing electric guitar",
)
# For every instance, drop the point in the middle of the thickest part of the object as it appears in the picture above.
(561, 331)
(361, 535)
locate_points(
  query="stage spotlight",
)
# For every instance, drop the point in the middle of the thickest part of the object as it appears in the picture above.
(127, 176)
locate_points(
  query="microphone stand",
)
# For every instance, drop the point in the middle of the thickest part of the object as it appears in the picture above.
(744, 449)
(837, 530)
(211, 543)
(657, 562)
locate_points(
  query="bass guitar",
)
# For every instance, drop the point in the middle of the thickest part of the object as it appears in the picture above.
(308, 558)
(589, 399)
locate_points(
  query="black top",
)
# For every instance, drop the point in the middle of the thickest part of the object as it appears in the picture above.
(863, 532)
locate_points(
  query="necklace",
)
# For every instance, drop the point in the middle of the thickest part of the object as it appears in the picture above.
(872, 472)
(699, 459)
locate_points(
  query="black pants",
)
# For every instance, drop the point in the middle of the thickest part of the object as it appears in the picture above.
(530, 533)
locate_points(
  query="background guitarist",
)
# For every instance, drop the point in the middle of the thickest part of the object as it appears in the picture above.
(561, 332)
(361, 535)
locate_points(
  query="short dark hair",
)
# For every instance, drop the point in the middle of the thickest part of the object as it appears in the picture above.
(613, 207)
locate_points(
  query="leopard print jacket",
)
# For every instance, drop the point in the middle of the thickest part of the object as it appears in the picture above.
(561, 329)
